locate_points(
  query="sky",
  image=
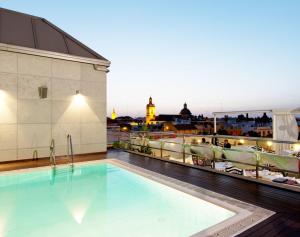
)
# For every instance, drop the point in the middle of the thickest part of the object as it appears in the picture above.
(215, 55)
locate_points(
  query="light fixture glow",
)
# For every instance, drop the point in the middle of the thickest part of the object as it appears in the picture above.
(242, 141)
(297, 147)
(269, 143)
(79, 99)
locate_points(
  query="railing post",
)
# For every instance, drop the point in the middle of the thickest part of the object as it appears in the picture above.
(129, 143)
(257, 162)
(183, 146)
(214, 158)
(118, 137)
(215, 123)
(161, 149)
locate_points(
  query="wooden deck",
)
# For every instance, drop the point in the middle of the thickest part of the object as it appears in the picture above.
(23, 164)
(286, 204)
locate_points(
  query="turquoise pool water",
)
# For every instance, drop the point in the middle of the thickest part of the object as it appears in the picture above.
(99, 200)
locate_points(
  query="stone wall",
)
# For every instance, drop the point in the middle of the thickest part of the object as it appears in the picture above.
(28, 123)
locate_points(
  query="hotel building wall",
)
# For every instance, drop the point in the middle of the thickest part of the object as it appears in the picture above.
(28, 123)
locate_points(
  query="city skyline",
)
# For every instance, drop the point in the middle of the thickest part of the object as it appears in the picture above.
(231, 114)
(213, 55)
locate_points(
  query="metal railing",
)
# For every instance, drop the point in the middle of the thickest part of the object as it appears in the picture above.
(252, 155)
(114, 135)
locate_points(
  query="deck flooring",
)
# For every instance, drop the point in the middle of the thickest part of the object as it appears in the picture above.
(23, 164)
(286, 204)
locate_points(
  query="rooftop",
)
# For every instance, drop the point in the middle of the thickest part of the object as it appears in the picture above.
(185, 127)
(34, 32)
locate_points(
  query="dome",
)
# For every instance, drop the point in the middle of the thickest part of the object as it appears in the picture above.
(185, 111)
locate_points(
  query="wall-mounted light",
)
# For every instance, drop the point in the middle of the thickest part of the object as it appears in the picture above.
(242, 141)
(269, 143)
(78, 99)
(43, 91)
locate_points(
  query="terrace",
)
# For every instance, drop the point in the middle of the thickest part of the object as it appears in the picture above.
(285, 203)
(262, 160)
(53, 88)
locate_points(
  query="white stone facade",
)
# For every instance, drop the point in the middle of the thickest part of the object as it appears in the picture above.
(28, 123)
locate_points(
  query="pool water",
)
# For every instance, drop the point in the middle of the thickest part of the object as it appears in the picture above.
(99, 200)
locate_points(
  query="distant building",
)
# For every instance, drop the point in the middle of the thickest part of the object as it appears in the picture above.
(185, 112)
(180, 128)
(264, 131)
(206, 126)
(167, 117)
(150, 112)
(184, 117)
(114, 115)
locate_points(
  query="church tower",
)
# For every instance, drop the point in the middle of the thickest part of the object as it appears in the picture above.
(150, 112)
(114, 115)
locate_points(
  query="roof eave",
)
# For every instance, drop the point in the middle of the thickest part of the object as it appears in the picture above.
(49, 54)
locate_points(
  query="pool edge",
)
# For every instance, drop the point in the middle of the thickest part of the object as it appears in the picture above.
(247, 215)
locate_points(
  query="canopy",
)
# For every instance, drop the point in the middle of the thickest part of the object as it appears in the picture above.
(285, 127)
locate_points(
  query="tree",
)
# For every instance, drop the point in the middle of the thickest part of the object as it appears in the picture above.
(144, 128)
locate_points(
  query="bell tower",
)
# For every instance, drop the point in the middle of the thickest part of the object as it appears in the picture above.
(114, 115)
(150, 112)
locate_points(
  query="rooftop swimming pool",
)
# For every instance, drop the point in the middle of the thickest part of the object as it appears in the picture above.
(99, 199)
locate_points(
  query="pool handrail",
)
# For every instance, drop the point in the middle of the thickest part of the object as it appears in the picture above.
(70, 149)
(52, 153)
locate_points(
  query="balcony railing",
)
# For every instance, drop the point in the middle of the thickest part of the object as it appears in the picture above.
(273, 161)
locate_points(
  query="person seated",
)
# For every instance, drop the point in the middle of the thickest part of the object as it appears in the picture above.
(226, 144)
(203, 140)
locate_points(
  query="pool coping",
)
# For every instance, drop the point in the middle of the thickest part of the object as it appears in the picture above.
(247, 215)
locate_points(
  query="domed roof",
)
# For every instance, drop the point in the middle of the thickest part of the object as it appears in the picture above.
(185, 110)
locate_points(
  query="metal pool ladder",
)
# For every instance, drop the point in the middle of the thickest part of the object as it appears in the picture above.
(52, 153)
(70, 149)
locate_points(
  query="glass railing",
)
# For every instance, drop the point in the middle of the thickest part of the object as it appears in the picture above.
(259, 158)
